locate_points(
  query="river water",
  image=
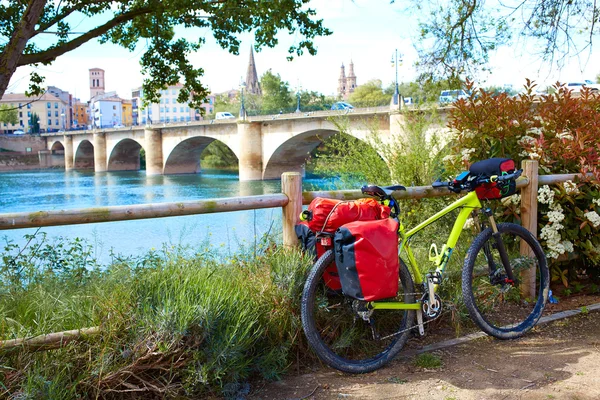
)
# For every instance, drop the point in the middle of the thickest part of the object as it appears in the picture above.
(59, 190)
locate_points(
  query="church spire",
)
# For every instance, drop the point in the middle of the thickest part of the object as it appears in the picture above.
(252, 84)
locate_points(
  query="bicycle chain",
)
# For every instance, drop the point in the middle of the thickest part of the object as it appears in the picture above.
(416, 325)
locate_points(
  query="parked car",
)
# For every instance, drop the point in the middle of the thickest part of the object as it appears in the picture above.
(224, 115)
(577, 86)
(340, 105)
(19, 132)
(450, 96)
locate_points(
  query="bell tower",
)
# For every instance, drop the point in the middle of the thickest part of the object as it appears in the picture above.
(342, 82)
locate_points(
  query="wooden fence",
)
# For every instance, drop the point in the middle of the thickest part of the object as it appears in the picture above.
(290, 200)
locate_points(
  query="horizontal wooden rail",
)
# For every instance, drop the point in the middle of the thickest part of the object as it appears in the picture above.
(48, 341)
(139, 211)
(414, 192)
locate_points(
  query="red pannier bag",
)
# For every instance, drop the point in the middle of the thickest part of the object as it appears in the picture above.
(311, 243)
(491, 167)
(326, 215)
(366, 253)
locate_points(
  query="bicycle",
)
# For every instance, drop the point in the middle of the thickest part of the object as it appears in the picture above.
(358, 336)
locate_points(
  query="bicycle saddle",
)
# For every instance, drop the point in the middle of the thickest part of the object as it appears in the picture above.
(374, 190)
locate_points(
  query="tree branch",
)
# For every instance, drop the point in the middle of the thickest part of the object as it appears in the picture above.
(65, 13)
(52, 53)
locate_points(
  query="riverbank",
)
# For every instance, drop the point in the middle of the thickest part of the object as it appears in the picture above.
(173, 322)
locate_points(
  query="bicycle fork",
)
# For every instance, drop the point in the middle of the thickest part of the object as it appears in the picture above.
(494, 278)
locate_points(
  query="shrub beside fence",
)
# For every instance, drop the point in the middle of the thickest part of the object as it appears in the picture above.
(290, 200)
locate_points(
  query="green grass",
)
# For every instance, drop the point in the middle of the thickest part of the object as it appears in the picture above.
(177, 322)
(428, 361)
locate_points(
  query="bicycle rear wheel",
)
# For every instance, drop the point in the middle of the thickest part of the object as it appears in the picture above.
(499, 305)
(340, 336)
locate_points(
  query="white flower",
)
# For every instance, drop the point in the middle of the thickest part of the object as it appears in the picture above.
(593, 217)
(571, 187)
(469, 223)
(555, 216)
(568, 246)
(515, 122)
(468, 134)
(596, 201)
(466, 154)
(535, 131)
(514, 199)
(564, 135)
(545, 195)
(526, 140)
(449, 158)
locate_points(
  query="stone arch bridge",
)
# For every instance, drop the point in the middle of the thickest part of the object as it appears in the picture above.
(265, 146)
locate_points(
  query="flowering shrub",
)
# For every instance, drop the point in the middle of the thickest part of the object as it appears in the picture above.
(561, 131)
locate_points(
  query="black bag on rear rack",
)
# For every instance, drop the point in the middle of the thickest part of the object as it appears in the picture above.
(491, 167)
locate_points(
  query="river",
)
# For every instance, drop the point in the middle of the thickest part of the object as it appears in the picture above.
(59, 190)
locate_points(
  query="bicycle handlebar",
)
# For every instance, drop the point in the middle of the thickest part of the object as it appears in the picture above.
(458, 187)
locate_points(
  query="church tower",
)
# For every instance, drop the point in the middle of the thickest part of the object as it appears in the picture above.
(342, 83)
(252, 84)
(96, 82)
(350, 80)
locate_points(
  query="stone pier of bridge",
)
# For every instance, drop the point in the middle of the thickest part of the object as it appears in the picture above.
(264, 146)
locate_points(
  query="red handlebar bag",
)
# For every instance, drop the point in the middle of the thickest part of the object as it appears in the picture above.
(366, 253)
(491, 167)
(326, 215)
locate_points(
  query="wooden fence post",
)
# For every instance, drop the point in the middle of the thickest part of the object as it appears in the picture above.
(529, 211)
(291, 186)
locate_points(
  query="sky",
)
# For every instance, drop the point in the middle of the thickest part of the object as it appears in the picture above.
(366, 32)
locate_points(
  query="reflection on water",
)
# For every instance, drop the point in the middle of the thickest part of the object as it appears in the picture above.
(59, 190)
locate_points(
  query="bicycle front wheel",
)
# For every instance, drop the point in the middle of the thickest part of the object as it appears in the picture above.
(505, 302)
(337, 331)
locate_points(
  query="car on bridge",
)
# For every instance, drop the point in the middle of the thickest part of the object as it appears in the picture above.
(450, 96)
(224, 115)
(340, 105)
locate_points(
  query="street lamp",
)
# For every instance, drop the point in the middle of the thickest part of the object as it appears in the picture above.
(242, 108)
(395, 61)
(298, 89)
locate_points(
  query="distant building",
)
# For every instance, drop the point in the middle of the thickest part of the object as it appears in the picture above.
(49, 109)
(346, 84)
(126, 112)
(106, 110)
(252, 83)
(97, 83)
(168, 109)
(81, 114)
(66, 98)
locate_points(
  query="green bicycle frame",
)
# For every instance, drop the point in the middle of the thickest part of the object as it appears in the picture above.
(468, 203)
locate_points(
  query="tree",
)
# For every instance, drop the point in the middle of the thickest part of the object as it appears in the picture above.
(370, 94)
(314, 101)
(457, 36)
(8, 114)
(598, 78)
(276, 93)
(34, 123)
(127, 22)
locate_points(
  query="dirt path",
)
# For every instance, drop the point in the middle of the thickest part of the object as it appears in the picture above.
(559, 360)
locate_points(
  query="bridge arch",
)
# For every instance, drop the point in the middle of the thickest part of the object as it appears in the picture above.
(57, 147)
(185, 156)
(292, 154)
(125, 156)
(84, 155)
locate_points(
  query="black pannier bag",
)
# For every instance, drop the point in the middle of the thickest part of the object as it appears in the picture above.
(366, 254)
(309, 242)
(491, 167)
